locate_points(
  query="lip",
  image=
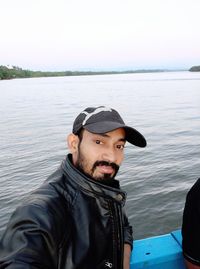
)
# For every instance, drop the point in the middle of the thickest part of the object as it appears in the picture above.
(105, 169)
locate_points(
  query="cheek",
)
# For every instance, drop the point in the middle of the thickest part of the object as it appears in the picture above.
(84, 157)
(120, 158)
(90, 153)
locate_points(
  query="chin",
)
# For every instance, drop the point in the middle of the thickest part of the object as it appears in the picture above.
(104, 177)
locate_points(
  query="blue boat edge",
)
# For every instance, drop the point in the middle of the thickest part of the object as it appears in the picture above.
(163, 252)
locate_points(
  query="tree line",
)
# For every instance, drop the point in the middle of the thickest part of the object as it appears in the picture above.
(17, 72)
(195, 68)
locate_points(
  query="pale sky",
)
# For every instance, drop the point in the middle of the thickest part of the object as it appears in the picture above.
(99, 35)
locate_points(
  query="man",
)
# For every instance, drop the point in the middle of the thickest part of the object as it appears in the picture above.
(76, 220)
(191, 228)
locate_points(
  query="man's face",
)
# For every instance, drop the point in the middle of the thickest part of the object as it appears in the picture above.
(100, 155)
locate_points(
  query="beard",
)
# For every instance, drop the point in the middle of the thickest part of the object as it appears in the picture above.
(105, 163)
(81, 165)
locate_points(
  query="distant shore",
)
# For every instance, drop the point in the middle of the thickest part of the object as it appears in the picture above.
(13, 72)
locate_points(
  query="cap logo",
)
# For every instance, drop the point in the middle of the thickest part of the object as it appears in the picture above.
(96, 111)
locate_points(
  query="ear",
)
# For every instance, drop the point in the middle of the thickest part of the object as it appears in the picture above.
(73, 142)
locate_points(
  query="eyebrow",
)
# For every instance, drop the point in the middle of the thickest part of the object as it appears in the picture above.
(106, 135)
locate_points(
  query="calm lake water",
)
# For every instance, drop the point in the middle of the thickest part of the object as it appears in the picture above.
(37, 114)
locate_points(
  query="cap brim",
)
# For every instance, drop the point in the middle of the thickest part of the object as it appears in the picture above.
(132, 135)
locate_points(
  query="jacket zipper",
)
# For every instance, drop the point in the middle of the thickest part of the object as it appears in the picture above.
(117, 235)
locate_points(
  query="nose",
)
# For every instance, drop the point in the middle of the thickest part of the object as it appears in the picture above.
(109, 155)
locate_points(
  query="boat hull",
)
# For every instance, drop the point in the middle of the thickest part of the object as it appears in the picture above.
(163, 252)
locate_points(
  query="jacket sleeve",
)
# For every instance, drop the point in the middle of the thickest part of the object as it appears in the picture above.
(28, 242)
(128, 232)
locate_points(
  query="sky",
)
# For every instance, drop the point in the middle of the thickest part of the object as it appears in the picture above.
(59, 35)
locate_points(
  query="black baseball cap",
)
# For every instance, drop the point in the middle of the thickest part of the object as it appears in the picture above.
(103, 119)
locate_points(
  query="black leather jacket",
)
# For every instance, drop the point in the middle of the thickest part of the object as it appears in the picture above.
(70, 222)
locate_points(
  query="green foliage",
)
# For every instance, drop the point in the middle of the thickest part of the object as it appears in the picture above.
(14, 72)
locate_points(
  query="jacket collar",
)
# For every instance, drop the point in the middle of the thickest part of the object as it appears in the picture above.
(84, 182)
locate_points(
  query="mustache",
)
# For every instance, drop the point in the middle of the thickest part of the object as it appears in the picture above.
(99, 163)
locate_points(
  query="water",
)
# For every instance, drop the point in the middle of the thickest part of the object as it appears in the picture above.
(37, 114)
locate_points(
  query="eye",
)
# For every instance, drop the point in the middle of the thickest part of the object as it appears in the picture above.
(98, 142)
(120, 147)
